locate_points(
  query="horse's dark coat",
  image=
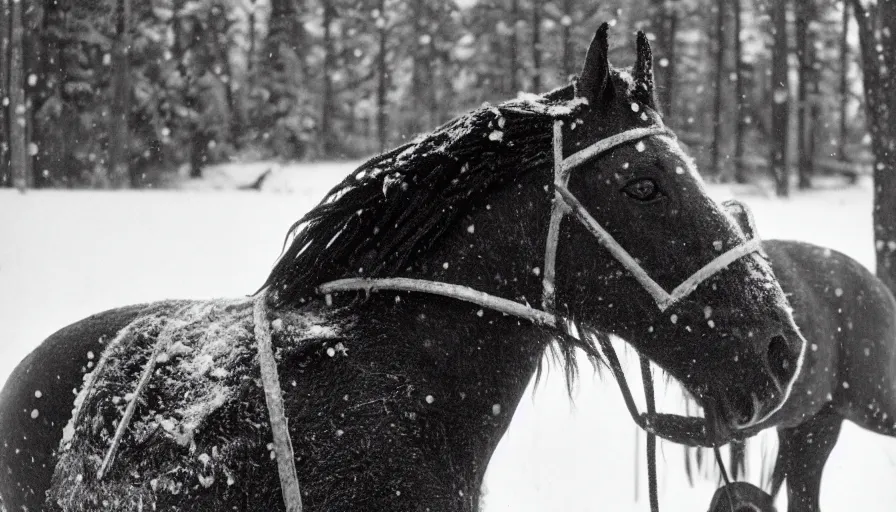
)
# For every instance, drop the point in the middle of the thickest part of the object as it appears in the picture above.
(402, 409)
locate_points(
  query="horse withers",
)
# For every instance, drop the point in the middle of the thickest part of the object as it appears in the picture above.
(400, 317)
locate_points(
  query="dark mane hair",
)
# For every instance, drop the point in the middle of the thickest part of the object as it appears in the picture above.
(396, 205)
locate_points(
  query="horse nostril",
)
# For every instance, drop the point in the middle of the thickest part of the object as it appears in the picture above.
(780, 361)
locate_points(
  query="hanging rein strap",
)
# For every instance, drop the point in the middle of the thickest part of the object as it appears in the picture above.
(647, 378)
(689, 431)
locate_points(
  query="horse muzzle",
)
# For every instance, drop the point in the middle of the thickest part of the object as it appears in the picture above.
(748, 403)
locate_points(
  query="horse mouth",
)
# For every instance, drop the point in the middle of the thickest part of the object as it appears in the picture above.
(729, 414)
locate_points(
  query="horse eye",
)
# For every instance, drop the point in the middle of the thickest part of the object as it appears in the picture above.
(643, 189)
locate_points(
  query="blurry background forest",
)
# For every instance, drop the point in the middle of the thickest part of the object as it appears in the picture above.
(118, 93)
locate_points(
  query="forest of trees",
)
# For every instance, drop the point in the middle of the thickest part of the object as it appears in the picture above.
(115, 93)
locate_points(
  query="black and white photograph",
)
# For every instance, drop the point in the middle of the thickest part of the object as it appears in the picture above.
(448, 255)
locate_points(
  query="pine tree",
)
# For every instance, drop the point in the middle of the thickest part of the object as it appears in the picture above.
(780, 107)
(17, 109)
(716, 164)
(119, 149)
(5, 177)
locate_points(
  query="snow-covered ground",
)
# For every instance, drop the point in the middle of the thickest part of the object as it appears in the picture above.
(67, 254)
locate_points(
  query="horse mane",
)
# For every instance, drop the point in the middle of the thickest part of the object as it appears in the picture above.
(397, 205)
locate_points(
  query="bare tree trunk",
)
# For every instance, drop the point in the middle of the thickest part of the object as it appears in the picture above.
(740, 127)
(383, 78)
(514, 85)
(121, 92)
(432, 104)
(17, 108)
(814, 118)
(877, 38)
(780, 90)
(253, 37)
(662, 24)
(715, 162)
(419, 65)
(844, 85)
(536, 47)
(666, 94)
(184, 42)
(326, 108)
(566, 66)
(804, 54)
(221, 36)
(5, 177)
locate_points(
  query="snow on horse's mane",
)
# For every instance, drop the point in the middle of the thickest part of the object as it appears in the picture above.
(396, 203)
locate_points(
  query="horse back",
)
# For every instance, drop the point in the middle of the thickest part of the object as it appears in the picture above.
(37, 400)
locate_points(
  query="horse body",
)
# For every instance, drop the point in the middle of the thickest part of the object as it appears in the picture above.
(849, 319)
(376, 393)
(396, 400)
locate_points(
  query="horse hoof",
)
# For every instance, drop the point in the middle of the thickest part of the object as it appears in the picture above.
(745, 498)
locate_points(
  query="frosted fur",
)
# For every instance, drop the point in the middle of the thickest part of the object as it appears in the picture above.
(205, 351)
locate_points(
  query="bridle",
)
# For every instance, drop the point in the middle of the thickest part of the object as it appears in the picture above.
(564, 203)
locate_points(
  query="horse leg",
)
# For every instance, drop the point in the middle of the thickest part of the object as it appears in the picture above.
(802, 453)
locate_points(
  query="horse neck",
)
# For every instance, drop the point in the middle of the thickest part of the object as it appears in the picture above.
(456, 374)
(432, 381)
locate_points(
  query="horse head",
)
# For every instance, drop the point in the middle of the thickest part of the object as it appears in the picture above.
(682, 280)
(481, 202)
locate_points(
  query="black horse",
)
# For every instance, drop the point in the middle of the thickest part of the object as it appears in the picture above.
(394, 386)
(848, 317)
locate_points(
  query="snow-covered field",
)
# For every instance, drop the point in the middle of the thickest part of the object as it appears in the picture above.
(65, 255)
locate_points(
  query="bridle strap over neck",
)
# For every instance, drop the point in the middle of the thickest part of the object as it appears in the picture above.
(455, 291)
(564, 202)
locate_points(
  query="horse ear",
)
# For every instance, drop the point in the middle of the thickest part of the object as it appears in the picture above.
(743, 215)
(596, 72)
(644, 72)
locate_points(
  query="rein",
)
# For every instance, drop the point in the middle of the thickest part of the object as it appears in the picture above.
(564, 203)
